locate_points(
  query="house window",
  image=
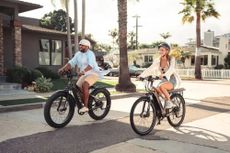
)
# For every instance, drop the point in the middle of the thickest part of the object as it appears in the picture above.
(148, 59)
(192, 60)
(44, 52)
(204, 60)
(214, 60)
(56, 52)
(50, 52)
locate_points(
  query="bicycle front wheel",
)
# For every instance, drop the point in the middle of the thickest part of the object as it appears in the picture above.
(59, 109)
(143, 116)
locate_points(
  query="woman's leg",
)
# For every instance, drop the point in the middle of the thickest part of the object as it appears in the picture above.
(164, 89)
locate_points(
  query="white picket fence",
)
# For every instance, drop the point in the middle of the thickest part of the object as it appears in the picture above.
(206, 73)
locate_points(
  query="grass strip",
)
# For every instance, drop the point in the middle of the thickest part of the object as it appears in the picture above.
(21, 101)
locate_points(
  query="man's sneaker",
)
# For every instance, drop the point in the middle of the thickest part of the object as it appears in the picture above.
(169, 104)
(83, 110)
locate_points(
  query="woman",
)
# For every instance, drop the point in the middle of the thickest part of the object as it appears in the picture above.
(169, 79)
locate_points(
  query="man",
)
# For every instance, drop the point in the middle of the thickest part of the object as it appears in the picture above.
(85, 60)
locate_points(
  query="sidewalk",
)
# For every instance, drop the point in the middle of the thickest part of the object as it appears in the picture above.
(215, 91)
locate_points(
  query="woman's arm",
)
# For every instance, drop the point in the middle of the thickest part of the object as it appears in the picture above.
(150, 70)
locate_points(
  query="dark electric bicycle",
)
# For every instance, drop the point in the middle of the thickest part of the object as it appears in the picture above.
(60, 107)
(149, 109)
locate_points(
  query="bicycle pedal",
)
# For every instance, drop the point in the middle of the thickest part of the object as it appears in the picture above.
(159, 122)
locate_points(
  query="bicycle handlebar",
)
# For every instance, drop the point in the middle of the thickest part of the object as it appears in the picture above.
(150, 78)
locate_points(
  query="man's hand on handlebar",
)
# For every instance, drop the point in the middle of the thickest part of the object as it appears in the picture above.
(64, 69)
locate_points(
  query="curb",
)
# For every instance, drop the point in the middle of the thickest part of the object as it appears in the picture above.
(21, 107)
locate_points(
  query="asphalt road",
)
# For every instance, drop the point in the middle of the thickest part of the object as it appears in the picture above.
(96, 135)
(27, 132)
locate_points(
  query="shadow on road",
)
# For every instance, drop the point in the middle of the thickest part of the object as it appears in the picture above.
(75, 139)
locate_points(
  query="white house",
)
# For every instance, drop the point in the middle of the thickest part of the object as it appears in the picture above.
(213, 50)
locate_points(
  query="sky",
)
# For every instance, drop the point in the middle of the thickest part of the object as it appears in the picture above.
(156, 17)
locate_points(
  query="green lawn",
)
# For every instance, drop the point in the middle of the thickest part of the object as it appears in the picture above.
(21, 101)
(58, 84)
(61, 83)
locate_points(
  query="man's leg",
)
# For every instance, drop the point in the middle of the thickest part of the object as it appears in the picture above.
(89, 80)
(85, 91)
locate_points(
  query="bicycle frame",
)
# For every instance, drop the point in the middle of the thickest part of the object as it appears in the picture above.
(75, 92)
(154, 96)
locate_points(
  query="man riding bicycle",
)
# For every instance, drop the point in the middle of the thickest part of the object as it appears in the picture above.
(89, 71)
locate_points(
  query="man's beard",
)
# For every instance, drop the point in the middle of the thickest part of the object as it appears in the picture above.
(83, 51)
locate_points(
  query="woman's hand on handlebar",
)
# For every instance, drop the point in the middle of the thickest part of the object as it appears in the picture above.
(139, 78)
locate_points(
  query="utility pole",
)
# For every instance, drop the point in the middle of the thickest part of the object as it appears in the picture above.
(136, 26)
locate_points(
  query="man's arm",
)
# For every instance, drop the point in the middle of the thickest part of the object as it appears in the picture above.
(65, 68)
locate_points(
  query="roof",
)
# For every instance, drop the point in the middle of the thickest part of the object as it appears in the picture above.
(210, 47)
(22, 6)
(40, 29)
(51, 31)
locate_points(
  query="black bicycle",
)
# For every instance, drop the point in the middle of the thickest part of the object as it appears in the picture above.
(60, 107)
(149, 110)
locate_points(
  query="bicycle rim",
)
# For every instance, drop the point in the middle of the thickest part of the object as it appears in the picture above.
(143, 116)
(99, 104)
(58, 110)
(177, 115)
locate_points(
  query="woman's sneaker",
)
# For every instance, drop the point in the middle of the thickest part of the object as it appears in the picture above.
(169, 104)
(83, 110)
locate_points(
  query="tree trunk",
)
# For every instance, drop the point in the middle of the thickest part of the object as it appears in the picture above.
(75, 26)
(83, 18)
(198, 44)
(68, 30)
(124, 83)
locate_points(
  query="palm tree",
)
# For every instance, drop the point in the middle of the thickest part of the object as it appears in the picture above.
(113, 33)
(83, 19)
(185, 55)
(165, 35)
(124, 82)
(202, 9)
(75, 25)
(65, 4)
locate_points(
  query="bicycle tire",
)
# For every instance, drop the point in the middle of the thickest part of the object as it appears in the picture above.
(65, 100)
(176, 112)
(99, 107)
(143, 115)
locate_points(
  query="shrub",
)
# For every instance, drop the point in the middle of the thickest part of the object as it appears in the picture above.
(35, 74)
(48, 73)
(43, 84)
(17, 74)
(219, 67)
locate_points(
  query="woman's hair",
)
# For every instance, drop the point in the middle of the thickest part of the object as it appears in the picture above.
(166, 46)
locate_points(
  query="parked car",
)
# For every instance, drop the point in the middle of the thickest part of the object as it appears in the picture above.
(133, 71)
(105, 65)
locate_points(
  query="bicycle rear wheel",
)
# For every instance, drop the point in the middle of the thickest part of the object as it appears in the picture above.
(143, 116)
(59, 109)
(177, 115)
(99, 103)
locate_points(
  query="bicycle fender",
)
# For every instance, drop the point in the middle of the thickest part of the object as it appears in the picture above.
(100, 88)
(72, 99)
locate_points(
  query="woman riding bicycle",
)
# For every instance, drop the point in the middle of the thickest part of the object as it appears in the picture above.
(169, 79)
